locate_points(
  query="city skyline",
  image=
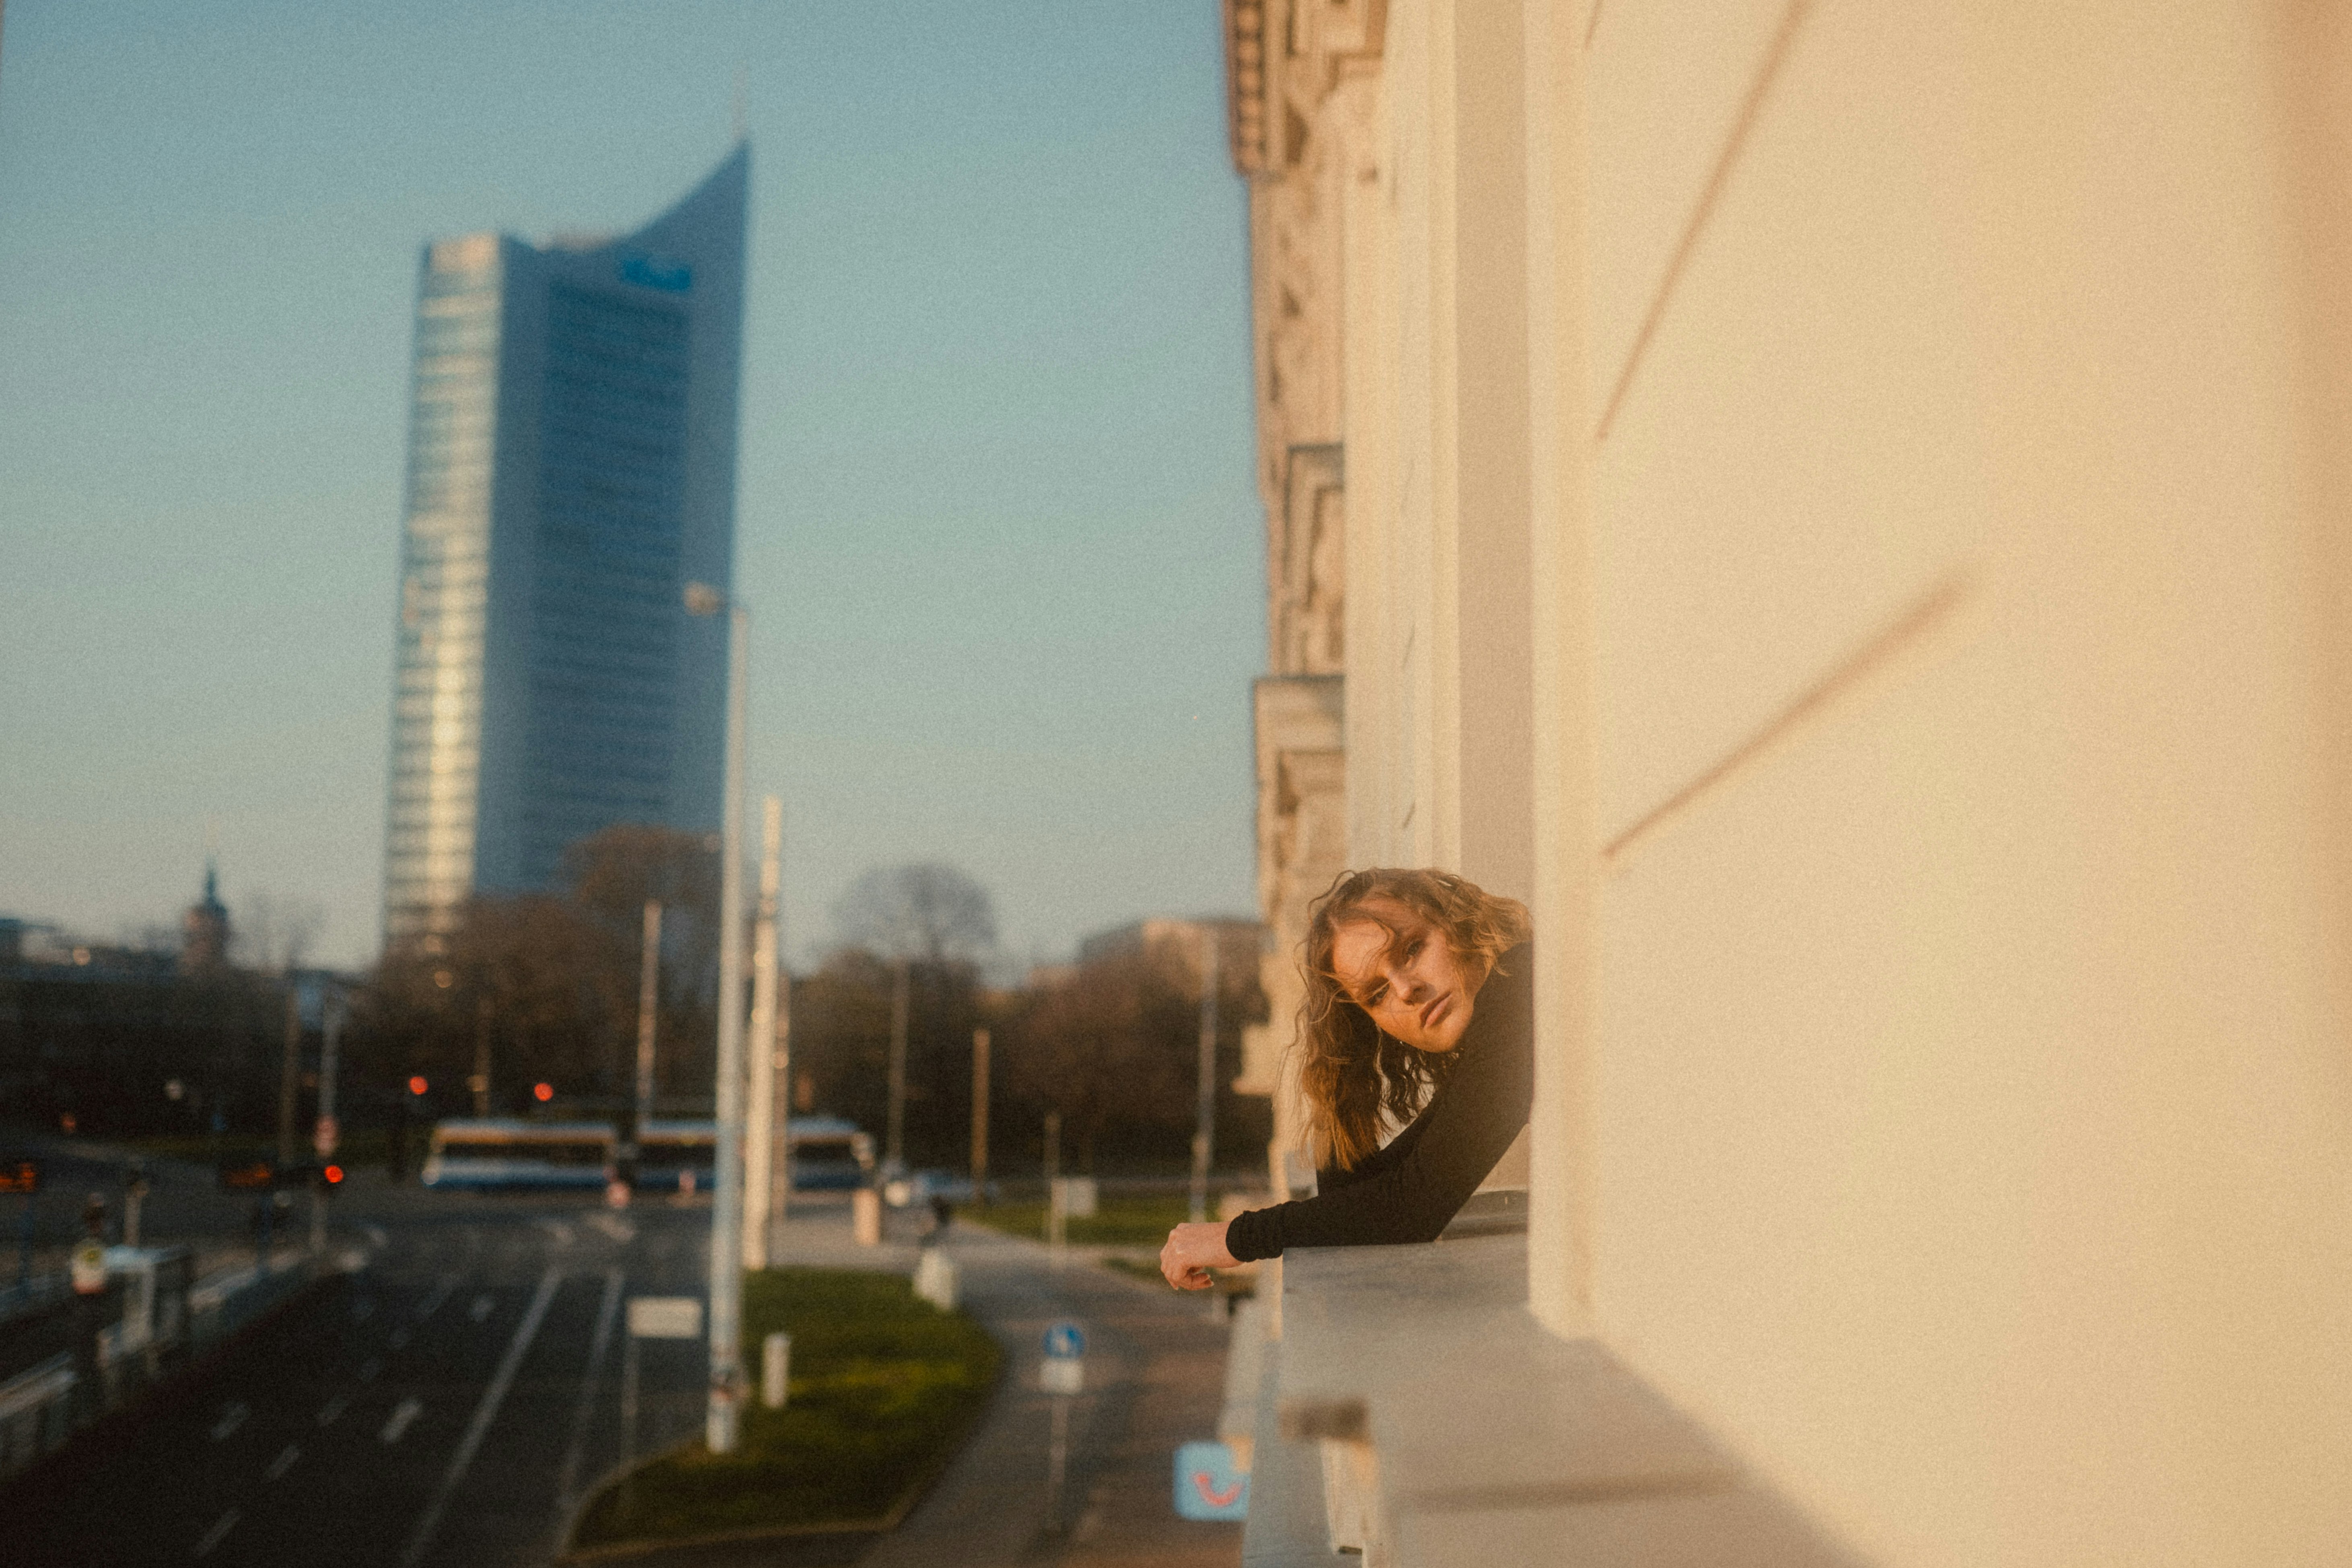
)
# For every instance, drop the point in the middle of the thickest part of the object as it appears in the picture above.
(572, 469)
(995, 519)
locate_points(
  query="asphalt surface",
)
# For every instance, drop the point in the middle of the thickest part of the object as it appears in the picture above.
(445, 1405)
(455, 1400)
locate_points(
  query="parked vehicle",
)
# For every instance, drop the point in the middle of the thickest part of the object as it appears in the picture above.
(677, 1156)
(500, 1151)
(829, 1155)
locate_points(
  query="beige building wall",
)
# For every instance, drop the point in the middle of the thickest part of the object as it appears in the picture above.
(1844, 511)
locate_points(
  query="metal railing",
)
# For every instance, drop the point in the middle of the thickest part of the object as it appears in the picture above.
(166, 1321)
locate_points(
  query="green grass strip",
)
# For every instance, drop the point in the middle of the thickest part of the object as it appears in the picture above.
(883, 1388)
(1137, 1220)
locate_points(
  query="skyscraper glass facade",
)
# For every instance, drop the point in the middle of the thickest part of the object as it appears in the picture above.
(572, 457)
(437, 708)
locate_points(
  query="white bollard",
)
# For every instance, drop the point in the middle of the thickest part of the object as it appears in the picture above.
(775, 1369)
(865, 1216)
(935, 1278)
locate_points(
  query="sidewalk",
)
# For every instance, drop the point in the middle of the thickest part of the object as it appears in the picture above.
(1154, 1369)
(1154, 1373)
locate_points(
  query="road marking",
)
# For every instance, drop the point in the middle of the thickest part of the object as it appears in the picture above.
(375, 1235)
(221, 1527)
(570, 1476)
(403, 1416)
(370, 1367)
(284, 1461)
(232, 1417)
(484, 1305)
(613, 1225)
(432, 1303)
(484, 1414)
(556, 1228)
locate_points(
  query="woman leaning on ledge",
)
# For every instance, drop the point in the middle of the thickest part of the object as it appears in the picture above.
(1419, 1009)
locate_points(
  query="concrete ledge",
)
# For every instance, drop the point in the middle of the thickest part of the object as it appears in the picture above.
(1455, 1430)
(1286, 1528)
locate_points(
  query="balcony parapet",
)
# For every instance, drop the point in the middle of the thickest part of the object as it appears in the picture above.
(1442, 1426)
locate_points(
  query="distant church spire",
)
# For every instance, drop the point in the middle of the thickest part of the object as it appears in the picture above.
(204, 929)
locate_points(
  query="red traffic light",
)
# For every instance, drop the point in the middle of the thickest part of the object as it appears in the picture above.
(543, 1092)
(334, 1174)
(417, 1085)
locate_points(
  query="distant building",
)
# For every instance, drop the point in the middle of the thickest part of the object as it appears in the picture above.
(1043, 977)
(96, 1035)
(204, 929)
(571, 469)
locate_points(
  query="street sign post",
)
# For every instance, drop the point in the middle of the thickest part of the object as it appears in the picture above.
(135, 1188)
(651, 1318)
(665, 1318)
(1065, 1339)
(1062, 1373)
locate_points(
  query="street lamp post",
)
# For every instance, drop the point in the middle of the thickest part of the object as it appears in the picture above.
(760, 1126)
(894, 1141)
(648, 1011)
(721, 1422)
(1204, 1134)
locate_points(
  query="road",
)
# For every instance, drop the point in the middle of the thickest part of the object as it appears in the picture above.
(441, 1407)
(450, 1403)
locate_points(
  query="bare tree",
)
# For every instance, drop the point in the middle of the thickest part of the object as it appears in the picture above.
(1107, 1046)
(927, 913)
(531, 970)
(276, 933)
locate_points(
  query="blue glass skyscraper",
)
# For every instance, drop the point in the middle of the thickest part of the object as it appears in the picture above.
(572, 467)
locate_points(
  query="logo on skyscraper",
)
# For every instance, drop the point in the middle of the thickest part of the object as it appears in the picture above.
(649, 271)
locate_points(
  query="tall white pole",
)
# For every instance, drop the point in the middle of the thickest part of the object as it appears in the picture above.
(329, 1064)
(1204, 1135)
(759, 1129)
(894, 1141)
(726, 1190)
(648, 1004)
(979, 1117)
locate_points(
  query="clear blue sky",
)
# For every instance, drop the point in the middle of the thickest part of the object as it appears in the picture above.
(994, 509)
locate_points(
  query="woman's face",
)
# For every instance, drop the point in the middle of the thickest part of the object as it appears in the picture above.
(1400, 969)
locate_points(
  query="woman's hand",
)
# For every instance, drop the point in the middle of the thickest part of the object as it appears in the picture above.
(1192, 1251)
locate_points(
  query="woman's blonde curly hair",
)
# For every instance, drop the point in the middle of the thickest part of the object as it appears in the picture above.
(1351, 1073)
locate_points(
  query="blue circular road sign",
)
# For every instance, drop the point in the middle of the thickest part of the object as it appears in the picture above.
(1065, 1342)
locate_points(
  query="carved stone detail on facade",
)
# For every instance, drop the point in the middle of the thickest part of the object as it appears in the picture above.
(1299, 76)
(1307, 543)
(1302, 845)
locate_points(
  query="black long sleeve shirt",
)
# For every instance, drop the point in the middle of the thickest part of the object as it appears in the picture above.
(1409, 1189)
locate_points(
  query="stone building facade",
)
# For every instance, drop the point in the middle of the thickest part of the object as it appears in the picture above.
(1280, 99)
(1845, 510)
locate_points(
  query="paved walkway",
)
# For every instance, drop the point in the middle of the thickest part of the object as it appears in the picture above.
(1155, 1369)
